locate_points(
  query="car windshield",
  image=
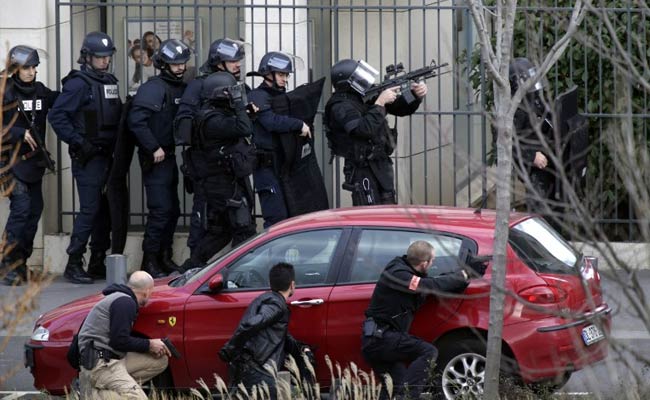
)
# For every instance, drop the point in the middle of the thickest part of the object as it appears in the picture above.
(542, 248)
(192, 275)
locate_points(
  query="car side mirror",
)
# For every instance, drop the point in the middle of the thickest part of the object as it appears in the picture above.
(216, 283)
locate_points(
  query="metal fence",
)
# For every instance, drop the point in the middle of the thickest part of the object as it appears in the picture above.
(441, 155)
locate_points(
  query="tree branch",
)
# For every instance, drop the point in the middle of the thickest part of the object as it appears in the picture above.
(577, 15)
(489, 58)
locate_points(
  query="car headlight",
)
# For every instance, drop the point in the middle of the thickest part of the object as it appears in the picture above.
(41, 334)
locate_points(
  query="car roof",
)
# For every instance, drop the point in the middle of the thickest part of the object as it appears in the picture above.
(422, 217)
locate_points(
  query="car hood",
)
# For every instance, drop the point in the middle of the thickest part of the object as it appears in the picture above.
(64, 321)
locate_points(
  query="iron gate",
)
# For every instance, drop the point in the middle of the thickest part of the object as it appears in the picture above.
(441, 156)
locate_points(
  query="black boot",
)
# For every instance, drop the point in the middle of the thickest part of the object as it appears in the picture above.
(74, 270)
(96, 265)
(166, 263)
(150, 265)
(16, 269)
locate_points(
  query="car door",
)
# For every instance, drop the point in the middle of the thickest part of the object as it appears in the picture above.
(211, 318)
(370, 251)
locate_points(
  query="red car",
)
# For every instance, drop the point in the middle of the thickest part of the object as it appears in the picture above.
(556, 324)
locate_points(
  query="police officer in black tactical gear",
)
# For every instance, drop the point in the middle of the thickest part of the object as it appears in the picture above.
(220, 162)
(402, 288)
(30, 100)
(224, 55)
(531, 120)
(86, 116)
(359, 132)
(151, 120)
(275, 67)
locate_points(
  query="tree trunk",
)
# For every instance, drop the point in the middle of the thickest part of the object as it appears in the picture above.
(504, 171)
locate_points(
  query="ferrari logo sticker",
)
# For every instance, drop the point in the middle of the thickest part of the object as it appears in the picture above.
(172, 321)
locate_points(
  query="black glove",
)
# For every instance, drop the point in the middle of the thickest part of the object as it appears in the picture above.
(476, 265)
(84, 152)
(227, 354)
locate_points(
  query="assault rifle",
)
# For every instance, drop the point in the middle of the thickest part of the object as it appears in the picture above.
(40, 146)
(395, 76)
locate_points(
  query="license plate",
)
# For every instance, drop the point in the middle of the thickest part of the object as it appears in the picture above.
(592, 334)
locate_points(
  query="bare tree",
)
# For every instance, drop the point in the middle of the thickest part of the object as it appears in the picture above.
(496, 59)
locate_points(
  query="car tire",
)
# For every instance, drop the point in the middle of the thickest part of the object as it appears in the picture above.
(460, 370)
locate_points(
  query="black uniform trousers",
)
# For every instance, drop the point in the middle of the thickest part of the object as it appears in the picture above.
(390, 354)
(93, 207)
(25, 209)
(269, 190)
(197, 227)
(161, 185)
(226, 221)
(372, 181)
(542, 189)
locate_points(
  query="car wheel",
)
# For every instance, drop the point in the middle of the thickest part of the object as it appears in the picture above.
(462, 370)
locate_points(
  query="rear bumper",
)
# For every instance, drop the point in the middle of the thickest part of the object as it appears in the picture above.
(549, 347)
(592, 317)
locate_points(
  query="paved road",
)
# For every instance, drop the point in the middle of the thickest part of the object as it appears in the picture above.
(610, 379)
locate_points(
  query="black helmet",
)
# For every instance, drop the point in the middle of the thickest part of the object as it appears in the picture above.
(215, 85)
(22, 56)
(520, 70)
(96, 44)
(275, 61)
(222, 50)
(171, 51)
(357, 75)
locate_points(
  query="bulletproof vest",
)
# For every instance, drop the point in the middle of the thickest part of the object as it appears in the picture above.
(96, 328)
(201, 137)
(161, 122)
(341, 142)
(34, 103)
(100, 116)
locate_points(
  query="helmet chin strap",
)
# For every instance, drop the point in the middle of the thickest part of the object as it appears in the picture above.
(274, 82)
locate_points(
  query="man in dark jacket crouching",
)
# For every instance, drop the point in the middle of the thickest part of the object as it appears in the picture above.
(262, 336)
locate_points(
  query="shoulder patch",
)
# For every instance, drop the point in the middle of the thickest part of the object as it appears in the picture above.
(415, 281)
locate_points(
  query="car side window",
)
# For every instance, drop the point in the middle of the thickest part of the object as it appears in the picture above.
(377, 247)
(309, 252)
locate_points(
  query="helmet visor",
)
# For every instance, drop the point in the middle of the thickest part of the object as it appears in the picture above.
(538, 85)
(232, 50)
(26, 56)
(363, 77)
(175, 52)
(285, 62)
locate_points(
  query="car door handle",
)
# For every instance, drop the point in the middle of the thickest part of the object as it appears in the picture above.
(313, 302)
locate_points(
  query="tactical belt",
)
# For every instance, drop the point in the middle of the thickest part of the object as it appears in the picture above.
(106, 355)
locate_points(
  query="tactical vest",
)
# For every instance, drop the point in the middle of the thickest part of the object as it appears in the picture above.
(30, 166)
(345, 145)
(161, 122)
(339, 141)
(95, 330)
(34, 105)
(100, 116)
